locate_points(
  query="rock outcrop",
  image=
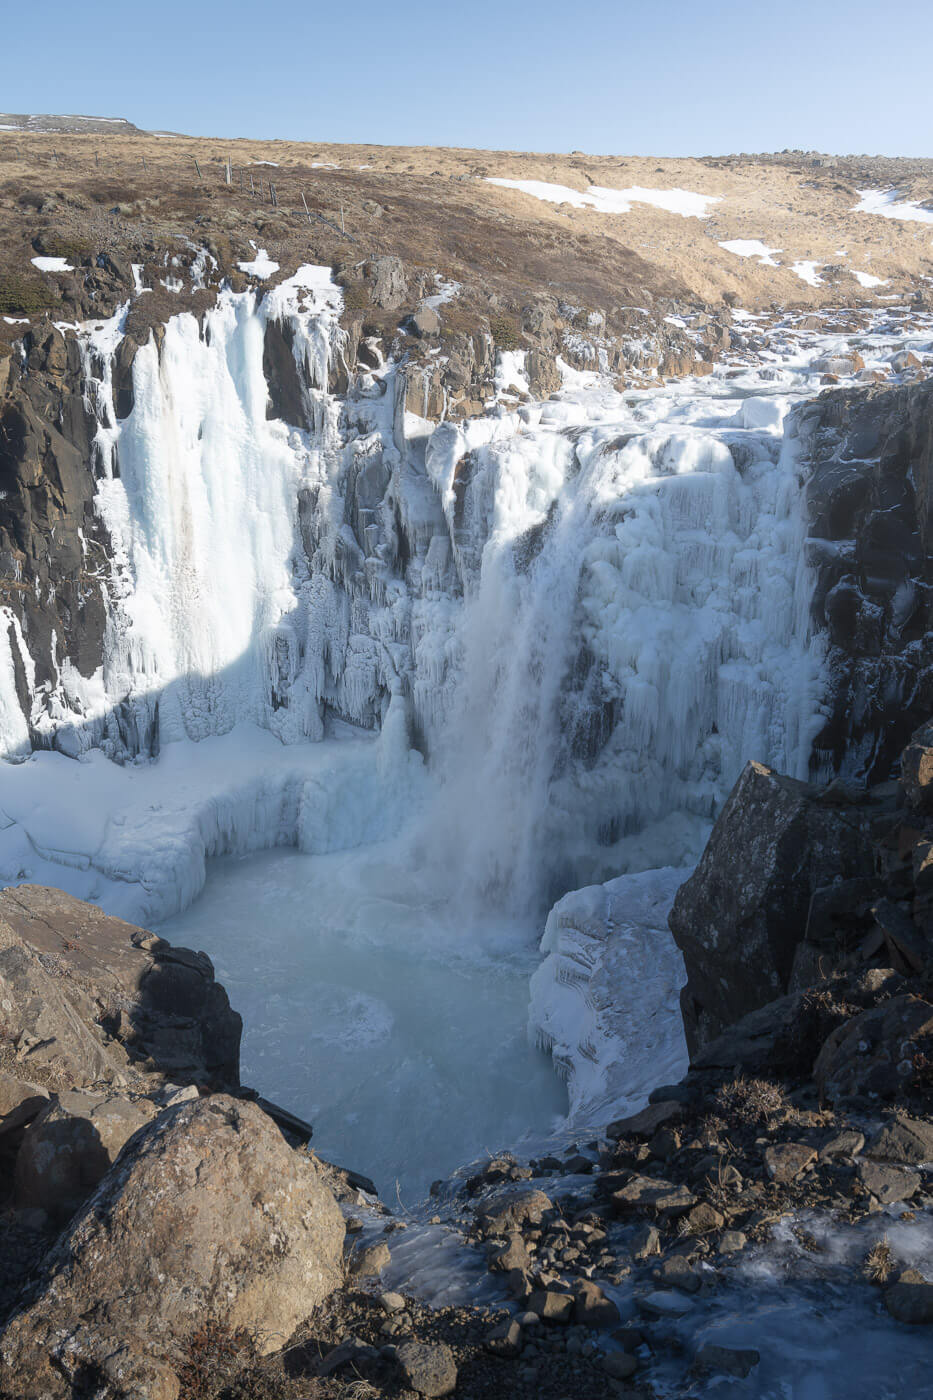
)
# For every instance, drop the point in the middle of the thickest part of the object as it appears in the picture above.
(870, 506)
(207, 1214)
(742, 915)
(52, 542)
(90, 1000)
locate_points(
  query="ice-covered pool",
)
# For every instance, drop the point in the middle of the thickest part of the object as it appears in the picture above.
(374, 1010)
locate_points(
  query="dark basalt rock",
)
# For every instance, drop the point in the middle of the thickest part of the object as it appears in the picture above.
(739, 918)
(49, 579)
(869, 502)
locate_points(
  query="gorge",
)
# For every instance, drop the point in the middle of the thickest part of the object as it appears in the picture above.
(399, 642)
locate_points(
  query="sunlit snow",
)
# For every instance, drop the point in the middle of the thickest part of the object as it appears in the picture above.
(867, 279)
(261, 266)
(609, 201)
(752, 248)
(807, 272)
(887, 204)
(52, 264)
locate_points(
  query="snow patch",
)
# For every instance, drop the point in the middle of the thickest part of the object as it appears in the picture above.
(610, 201)
(888, 206)
(867, 279)
(262, 266)
(752, 248)
(52, 264)
(807, 272)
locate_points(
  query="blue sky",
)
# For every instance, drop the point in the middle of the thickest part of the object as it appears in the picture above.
(674, 77)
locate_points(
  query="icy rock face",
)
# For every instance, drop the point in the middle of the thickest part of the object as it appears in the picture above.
(605, 999)
(869, 500)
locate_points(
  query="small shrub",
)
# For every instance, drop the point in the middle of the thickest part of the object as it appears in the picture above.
(22, 294)
(818, 1016)
(505, 333)
(356, 296)
(749, 1101)
(72, 249)
(878, 1265)
(214, 1356)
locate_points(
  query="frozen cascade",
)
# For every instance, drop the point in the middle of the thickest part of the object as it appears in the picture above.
(638, 606)
(586, 613)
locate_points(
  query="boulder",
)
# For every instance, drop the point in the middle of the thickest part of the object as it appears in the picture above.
(70, 1147)
(645, 1242)
(910, 1299)
(512, 1255)
(591, 1307)
(365, 1263)
(676, 1272)
(506, 1340)
(551, 1306)
(740, 916)
(784, 1161)
(873, 1053)
(504, 1211)
(903, 1139)
(703, 1218)
(208, 1214)
(646, 1123)
(652, 1193)
(755, 1042)
(428, 1368)
(425, 321)
(386, 277)
(20, 1102)
(848, 1143)
(888, 1184)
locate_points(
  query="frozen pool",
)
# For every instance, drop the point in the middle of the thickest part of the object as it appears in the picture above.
(372, 1009)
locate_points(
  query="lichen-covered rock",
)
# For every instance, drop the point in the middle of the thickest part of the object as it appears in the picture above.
(387, 284)
(874, 1053)
(740, 916)
(209, 1214)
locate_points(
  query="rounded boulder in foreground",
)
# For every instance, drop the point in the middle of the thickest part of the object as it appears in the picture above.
(209, 1214)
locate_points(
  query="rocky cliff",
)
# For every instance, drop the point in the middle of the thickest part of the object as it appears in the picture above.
(870, 503)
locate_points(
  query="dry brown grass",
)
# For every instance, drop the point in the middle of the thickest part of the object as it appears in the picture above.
(437, 211)
(750, 1101)
(878, 1265)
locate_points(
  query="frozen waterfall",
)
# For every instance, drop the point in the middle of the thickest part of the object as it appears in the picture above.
(532, 650)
